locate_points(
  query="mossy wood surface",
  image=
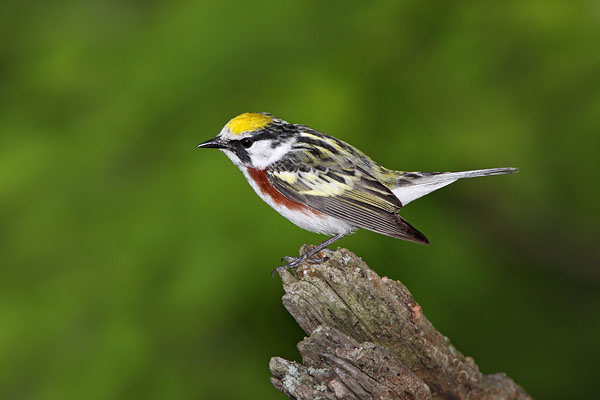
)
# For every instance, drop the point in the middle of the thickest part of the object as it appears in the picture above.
(369, 339)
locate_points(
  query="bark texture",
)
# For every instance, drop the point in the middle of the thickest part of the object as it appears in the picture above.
(369, 339)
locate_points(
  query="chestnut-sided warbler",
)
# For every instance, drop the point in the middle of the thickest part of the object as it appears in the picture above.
(323, 184)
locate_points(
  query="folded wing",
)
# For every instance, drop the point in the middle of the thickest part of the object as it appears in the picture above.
(343, 191)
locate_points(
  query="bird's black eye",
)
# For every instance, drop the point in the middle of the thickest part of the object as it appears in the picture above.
(247, 143)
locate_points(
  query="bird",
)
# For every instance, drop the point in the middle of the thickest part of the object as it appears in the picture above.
(323, 184)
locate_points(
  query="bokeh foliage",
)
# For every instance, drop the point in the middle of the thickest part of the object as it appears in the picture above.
(135, 266)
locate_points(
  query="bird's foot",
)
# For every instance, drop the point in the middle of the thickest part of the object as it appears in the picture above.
(293, 262)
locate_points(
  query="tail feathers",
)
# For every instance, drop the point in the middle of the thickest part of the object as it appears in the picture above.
(412, 185)
(408, 232)
(475, 173)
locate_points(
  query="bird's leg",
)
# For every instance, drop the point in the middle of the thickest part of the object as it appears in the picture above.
(295, 261)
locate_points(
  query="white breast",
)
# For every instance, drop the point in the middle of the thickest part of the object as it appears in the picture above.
(318, 223)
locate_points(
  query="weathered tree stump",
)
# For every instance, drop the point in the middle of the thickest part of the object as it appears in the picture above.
(369, 339)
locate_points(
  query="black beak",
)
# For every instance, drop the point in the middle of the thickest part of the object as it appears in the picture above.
(215, 143)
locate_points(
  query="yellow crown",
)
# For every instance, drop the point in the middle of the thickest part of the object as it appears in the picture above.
(248, 122)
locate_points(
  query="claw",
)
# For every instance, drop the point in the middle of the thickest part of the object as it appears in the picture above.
(291, 264)
(307, 256)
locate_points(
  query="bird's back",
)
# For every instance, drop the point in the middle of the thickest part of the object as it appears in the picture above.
(406, 186)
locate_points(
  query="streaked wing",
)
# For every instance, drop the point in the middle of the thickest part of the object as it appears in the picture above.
(346, 191)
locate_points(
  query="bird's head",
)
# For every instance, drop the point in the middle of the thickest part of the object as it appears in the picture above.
(254, 140)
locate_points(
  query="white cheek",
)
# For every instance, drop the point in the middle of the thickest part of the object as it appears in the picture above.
(262, 155)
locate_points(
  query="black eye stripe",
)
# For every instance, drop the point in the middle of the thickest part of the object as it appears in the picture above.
(265, 135)
(277, 133)
(236, 147)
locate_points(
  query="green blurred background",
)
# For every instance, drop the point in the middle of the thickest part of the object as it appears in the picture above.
(135, 266)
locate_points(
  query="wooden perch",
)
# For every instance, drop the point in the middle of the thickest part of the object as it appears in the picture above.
(369, 339)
